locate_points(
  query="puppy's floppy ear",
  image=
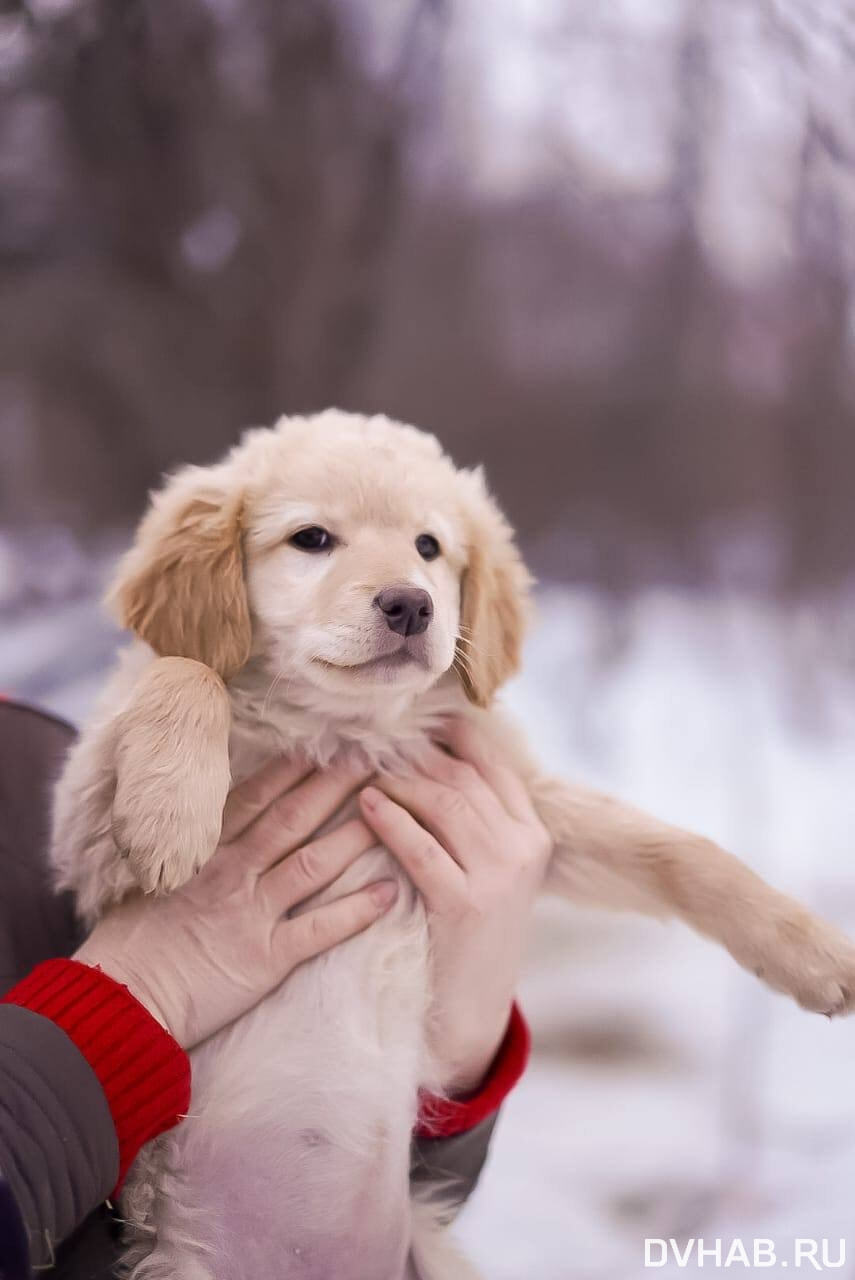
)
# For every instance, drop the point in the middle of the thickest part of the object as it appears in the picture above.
(181, 587)
(494, 607)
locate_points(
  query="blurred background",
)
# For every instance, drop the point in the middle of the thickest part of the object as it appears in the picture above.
(608, 250)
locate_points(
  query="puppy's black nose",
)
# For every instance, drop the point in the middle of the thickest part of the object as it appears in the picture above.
(408, 610)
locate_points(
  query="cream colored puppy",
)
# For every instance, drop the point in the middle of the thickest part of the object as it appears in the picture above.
(350, 588)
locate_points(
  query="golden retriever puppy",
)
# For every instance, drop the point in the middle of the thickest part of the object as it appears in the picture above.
(337, 586)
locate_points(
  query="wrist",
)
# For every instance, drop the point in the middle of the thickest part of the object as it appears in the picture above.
(468, 1067)
(107, 962)
(443, 1117)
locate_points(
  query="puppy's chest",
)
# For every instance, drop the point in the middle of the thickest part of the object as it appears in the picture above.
(251, 746)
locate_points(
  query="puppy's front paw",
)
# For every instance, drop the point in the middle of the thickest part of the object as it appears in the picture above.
(172, 772)
(166, 845)
(811, 961)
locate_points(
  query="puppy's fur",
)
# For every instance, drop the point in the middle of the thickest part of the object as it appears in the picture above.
(294, 1162)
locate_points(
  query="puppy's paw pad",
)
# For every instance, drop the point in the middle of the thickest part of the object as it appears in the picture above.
(829, 995)
(163, 854)
(815, 964)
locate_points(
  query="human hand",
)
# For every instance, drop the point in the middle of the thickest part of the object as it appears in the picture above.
(465, 830)
(200, 957)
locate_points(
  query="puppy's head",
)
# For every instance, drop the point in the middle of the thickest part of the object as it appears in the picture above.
(345, 553)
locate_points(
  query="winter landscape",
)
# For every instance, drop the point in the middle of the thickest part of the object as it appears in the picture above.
(608, 251)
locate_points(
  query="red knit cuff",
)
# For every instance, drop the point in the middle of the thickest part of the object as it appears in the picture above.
(144, 1073)
(444, 1117)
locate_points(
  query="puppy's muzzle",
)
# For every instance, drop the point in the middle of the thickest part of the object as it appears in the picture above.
(407, 610)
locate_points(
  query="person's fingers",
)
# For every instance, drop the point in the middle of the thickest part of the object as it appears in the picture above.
(298, 938)
(295, 816)
(314, 865)
(463, 777)
(469, 743)
(432, 870)
(445, 811)
(252, 796)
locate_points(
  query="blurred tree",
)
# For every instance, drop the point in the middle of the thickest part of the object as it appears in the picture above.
(608, 251)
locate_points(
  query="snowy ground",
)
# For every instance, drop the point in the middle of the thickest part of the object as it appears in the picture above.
(670, 1094)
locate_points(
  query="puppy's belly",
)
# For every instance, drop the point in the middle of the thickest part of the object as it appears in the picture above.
(294, 1160)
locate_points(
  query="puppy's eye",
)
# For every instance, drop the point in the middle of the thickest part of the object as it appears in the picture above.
(314, 538)
(427, 546)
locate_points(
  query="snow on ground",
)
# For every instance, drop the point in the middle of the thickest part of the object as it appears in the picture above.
(670, 1094)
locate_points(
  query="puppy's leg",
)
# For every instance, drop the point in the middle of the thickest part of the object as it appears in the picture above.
(171, 744)
(612, 855)
(433, 1253)
(83, 852)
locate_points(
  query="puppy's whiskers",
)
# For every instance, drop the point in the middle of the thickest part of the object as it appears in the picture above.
(474, 649)
(280, 675)
(462, 663)
(467, 639)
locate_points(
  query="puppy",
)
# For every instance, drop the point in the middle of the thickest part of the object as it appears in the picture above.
(336, 586)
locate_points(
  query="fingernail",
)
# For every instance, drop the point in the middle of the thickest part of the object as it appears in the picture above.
(370, 797)
(384, 892)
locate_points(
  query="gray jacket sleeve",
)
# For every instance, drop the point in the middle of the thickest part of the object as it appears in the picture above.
(59, 1156)
(452, 1166)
